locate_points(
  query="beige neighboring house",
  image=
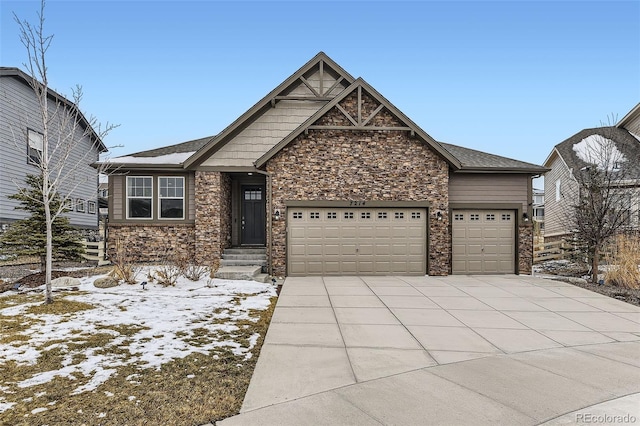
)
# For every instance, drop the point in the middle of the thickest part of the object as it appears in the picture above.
(568, 158)
(329, 178)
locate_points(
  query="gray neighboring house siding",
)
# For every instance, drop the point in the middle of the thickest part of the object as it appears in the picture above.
(563, 163)
(19, 111)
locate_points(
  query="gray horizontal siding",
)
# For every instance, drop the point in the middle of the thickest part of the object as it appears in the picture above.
(556, 213)
(489, 188)
(19, 110)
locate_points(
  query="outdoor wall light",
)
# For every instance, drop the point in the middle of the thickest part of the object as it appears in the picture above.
(439, 215)
(277, 214)
(525, 217)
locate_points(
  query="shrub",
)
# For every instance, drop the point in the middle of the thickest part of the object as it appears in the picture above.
(124, 268)
(624, 262)
(194, 271)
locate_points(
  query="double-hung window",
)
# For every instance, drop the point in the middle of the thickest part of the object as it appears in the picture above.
(139, 197)
(171, 197)
(34, 147)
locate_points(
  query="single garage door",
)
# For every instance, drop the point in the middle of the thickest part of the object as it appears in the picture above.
(483, 241)
(368, 241)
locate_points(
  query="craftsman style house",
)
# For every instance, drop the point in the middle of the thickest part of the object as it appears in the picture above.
(619, 145)
(331, 179)
(21, 146)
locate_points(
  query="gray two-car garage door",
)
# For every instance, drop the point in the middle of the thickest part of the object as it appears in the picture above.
(349, 241)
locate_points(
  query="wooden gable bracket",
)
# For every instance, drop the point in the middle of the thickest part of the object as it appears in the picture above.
(358, 123)
(322, 95)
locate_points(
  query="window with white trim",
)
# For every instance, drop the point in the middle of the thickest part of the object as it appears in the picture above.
(68, 205)
(91, 207)
(35, 144)
(139, 197)
(81, 205)
(171, 197)
(558, 195)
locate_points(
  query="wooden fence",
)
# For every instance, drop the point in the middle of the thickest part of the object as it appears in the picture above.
(94, 251)
(552, 250)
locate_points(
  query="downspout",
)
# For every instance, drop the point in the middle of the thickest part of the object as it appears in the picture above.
(269, 220)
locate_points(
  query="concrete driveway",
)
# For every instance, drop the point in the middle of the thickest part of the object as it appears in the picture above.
(514, 350)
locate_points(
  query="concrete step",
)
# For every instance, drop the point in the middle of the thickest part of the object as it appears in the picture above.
(262, 278)
(233, 256)
(236, 262)
(242, 250)
(247, 273)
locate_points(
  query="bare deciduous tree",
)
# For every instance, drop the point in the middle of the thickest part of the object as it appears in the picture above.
(64, 128)
(601, 203)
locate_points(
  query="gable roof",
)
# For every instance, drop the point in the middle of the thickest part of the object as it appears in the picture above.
(321, 60)
(628, 119)
(478, 161)
(360, 83)
(188, 155)
(624, 141)
(26, 79)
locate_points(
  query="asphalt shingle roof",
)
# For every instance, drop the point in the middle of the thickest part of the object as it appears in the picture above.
(473, 159)
(625, 142)
(189, 146)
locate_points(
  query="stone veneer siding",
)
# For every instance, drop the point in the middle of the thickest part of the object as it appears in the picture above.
(151, 243)
(374, 165)
(525, 248)
(213, 216)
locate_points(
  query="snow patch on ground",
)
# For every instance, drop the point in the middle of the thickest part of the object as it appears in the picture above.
(170, 322)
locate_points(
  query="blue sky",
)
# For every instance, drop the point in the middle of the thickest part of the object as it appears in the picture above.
(512, 78)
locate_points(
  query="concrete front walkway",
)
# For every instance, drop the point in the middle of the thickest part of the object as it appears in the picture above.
(511, 349)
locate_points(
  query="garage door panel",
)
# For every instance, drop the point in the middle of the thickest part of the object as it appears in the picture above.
(483, 241)
(356, 241)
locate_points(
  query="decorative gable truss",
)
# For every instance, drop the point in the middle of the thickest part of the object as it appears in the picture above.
(360, 111)
(322, 82)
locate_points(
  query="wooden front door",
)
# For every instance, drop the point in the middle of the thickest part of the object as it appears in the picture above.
(253, 215)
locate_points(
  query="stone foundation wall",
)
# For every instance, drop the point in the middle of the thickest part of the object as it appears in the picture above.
(151, 243)
(376, 165)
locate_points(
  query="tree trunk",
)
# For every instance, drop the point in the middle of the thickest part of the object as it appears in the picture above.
(48, 298)
(594, 265)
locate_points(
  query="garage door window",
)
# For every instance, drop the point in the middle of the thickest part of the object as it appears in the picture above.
(491, 216)
(297, 215)
(365, 215)
(382, 215)
(332, 215)
(348, 215)
(399, 215)
(458, 217)
(506, 217)
(415, 215)
(474, 216)
(314, 215)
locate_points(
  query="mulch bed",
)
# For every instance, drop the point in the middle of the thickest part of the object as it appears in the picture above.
(625, 294)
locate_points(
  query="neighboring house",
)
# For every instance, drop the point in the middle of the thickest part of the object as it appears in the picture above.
(538, 207)
(572, 156)
(21, 143)
(332, 179)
